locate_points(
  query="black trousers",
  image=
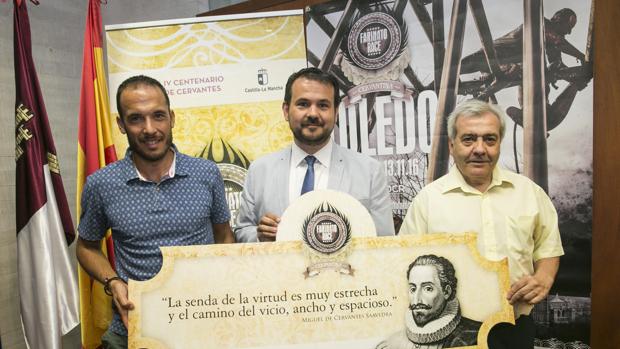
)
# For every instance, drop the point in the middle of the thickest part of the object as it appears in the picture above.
(508, 336)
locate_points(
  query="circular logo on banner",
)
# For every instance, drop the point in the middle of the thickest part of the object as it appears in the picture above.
(374, 41)
(326, 230)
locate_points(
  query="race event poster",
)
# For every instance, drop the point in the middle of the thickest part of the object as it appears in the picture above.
(404, 65)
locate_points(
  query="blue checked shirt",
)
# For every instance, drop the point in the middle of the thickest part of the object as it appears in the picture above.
(143, 215)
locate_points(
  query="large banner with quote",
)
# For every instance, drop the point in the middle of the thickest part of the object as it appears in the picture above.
(327, 283)
(404, 65)
(225, 76)
(275, 295)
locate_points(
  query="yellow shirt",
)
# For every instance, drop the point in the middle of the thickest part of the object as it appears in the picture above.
(514, 218)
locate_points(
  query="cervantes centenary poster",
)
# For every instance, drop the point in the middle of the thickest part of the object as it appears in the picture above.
(225, 76)
(404, 64)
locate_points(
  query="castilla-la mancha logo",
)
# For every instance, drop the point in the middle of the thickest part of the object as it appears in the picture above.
(263, 78)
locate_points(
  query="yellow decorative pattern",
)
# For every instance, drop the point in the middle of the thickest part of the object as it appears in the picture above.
(200, 44)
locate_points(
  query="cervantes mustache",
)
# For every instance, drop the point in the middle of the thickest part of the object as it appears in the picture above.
(419, 306)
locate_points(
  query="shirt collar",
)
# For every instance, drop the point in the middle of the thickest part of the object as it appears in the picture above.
(170, 173)
(130, 172)
(323, 156)
(454, 180)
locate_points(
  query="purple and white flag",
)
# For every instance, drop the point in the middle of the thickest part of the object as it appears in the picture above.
(47, 284)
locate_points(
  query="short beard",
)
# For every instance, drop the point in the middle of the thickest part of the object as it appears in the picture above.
(298, 134)
(137, 152)
(322, 139)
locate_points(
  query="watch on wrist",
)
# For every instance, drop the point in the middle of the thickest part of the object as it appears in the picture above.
(106, 284)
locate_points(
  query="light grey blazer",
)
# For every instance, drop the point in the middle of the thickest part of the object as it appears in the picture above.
(266, 189)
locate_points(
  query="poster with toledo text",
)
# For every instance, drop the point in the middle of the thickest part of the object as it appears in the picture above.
(404, 65)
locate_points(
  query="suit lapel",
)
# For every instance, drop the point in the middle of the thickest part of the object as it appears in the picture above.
(336, 169)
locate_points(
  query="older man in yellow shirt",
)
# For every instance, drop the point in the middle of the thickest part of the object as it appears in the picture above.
(512, 216)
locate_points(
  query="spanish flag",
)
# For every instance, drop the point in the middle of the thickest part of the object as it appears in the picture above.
(95, 150)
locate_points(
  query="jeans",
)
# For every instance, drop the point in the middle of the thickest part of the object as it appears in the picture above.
(111, 340)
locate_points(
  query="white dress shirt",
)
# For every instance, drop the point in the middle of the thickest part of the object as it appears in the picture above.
(298, 167)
